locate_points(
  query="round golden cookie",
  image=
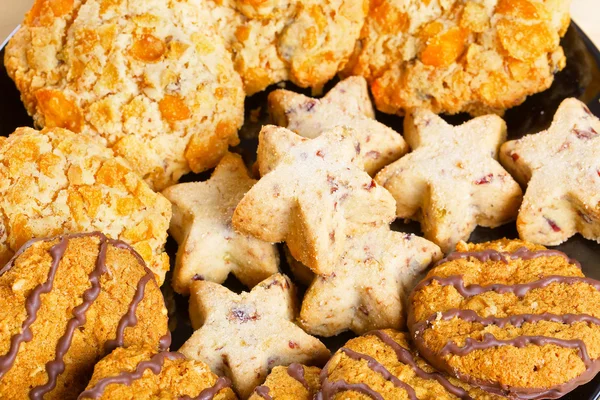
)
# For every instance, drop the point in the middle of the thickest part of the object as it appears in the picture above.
(64, 303)
(145, 374)
(55, 181)
(381, 365)
(512, 317)
(459, 56)
(294, 382)
(151, 78)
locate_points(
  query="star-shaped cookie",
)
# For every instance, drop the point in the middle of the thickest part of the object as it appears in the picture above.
(209, 247)
(347, 104)
(369, 284)
(244, 336)
(314, 197)
(451, 182)
(561, 168)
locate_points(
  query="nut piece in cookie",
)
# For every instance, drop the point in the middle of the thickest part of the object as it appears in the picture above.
(244, 336)
(153, 80)
(141, 373)
(294, 382)
(347, 104)
(55, 181)
(451, 181)
(561, 168)
(209, 247)
(68, 301)
(369, 284)
(513, 301)
(381, 365)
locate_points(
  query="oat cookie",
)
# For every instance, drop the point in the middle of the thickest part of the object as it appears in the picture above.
(294, 382)
(305, 41)
(143, 374)
(381, 365)
(209, 247)
(152, 79)
(56, 181)
(244, 336)
(451, 182)
(369, 284)
(459, 56)
(347, 104)
(561, 169)
(65, 303)
(513, 301)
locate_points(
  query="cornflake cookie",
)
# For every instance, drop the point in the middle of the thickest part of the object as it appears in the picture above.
(244, 336)
(144, 374)
(561, 169)
(305, 41)
(56, 181)
(294, 382)
(209, 248)
(152, 79)
(513, 301)
(65, 303)
(347, 104)
(451, 182)
(381, 365)
(313, 194)
(454, 56)
(368, 285)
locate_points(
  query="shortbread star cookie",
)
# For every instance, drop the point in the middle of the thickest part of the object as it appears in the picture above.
(451, 182)
(347, 104)
(55, 181)
(561, 168)
(152, 79)
(296, 381)
(244, 336)
(369, 284)
(209, 247)
(315, 196)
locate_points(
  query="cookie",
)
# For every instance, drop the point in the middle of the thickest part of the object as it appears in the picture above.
(347, 104)
(304, 41)
(68, 301)
(153, 80)
(55, 181)
(514, 304)
(381, 365)
(209, 247)
(144, 374)
(313, 194)
(368, 285)
(294, 382)
(244, 336)
(451, 181)
(561, 170)
(459, 56)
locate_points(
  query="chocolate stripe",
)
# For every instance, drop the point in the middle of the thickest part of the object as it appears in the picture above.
(209, 393)
(330, 389)
(263, 392)
(296, 371)
(494, 255)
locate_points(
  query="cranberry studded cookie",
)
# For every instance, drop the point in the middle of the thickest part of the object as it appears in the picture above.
(209, 247)
(512, 304)
(459, 56)
(244, 336)
(451, 182)
(55, 181)
(65, 303)
(152, 79)
(381, 365)
(294, 382)
(347, 104)
(561, 168)
(144, 374)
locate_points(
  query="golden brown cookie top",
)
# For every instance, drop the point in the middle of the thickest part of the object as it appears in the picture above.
(66, 302)
(294, 382)
(143, 373)
(55, 181)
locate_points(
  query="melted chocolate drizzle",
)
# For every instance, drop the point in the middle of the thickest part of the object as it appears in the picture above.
(494, 255)
(209, 393)
(296, 371)
(330, 389)
(164, 342)
(263, 392)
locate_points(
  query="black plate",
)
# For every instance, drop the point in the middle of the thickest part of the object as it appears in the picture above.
(581, 79)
